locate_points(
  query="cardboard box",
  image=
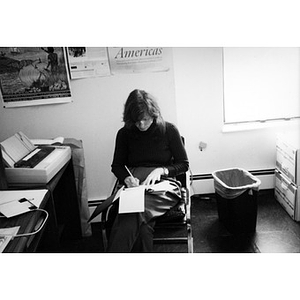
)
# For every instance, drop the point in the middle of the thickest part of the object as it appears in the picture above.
(287, 194)
(288, 157)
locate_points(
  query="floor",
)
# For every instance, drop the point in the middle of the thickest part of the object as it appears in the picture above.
(275, 232)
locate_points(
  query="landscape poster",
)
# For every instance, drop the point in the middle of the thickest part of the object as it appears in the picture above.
(33, 76)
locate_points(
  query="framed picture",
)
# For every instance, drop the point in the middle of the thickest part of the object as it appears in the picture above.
(33, 76)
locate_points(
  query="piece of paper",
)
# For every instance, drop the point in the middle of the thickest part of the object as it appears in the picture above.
(138, 59)
(7, 234)
(11, 206)
(132, 200)
(15, 208)
(14, 147)
(88, 62)
(59, 140)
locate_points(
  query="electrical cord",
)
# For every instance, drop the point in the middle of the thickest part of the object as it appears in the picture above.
(29, 233)
(191, 176)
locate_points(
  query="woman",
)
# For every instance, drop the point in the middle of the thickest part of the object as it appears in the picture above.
(152, 149)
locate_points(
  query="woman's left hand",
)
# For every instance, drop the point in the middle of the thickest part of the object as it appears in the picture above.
(154, 176)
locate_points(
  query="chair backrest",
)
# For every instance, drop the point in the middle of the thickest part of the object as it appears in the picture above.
(3, 182)
(183, 178)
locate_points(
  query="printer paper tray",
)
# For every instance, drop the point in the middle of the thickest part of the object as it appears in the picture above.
(44, 171)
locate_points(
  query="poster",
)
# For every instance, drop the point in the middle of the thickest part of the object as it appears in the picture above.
(33, 76)
(137, 59)
(88, 62)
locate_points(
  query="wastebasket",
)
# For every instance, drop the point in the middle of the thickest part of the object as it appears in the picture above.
(236, 193)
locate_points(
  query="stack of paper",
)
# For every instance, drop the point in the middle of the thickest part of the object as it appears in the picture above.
(11, 203)
(15, 148)
(7, 234)
(132, 199)
(58, 140)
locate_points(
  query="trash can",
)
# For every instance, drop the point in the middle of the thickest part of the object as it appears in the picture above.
(236, 193)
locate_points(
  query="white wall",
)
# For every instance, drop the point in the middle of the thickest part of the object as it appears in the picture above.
(199, 96)
(94, 116)
(190, 95)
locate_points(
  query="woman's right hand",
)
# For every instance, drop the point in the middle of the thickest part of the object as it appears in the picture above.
(131, 181)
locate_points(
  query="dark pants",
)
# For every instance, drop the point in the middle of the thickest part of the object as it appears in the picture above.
(131, 233)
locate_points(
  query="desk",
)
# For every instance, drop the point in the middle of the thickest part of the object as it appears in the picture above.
(64, 204)
(28, 222)
(63, 223)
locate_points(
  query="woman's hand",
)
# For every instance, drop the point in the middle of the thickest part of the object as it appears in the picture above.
(154, 176)
(131, 181)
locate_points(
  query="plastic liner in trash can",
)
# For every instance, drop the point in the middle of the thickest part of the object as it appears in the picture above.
(236, 193)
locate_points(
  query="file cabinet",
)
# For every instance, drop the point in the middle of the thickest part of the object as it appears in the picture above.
(287, 175)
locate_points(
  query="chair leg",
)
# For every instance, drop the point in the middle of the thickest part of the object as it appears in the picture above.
(190, 239)
(104, 238)
(189, 225)
(170, 240)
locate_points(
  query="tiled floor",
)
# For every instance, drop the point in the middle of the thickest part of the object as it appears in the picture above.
(275, 232)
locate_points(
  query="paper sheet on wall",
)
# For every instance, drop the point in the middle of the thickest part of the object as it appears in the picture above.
(138, 59)
(132, 200)
(88, 62)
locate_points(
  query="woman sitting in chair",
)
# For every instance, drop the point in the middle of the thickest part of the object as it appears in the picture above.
(152, 149)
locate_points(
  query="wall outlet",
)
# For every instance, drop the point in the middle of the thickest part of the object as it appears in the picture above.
(202, 146)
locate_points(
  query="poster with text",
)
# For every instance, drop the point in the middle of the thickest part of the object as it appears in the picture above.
(137, 59)
(87, 62)
(33, 76)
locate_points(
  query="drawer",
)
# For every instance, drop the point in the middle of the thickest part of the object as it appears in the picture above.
(287, 160)
(287, 194)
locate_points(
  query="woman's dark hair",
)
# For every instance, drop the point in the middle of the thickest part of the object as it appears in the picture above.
(137, 105)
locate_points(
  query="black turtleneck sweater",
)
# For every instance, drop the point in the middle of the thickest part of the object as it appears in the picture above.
(151, 148)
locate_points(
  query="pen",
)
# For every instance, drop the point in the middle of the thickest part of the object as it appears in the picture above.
(129, 172)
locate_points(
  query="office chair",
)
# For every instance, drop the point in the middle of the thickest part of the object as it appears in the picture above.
(178, 217)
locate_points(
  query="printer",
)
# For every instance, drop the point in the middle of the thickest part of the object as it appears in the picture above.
(26, 163)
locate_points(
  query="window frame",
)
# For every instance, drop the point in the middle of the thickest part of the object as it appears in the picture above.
(260, 122)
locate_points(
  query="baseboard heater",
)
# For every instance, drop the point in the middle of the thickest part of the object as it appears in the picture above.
(95, 203)
(254, 172)
(197, 178)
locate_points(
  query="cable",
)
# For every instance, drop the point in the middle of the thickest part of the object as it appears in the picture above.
(191, 176)
(30, 233)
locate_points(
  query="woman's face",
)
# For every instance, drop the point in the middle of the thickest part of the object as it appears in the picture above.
(144, 123)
